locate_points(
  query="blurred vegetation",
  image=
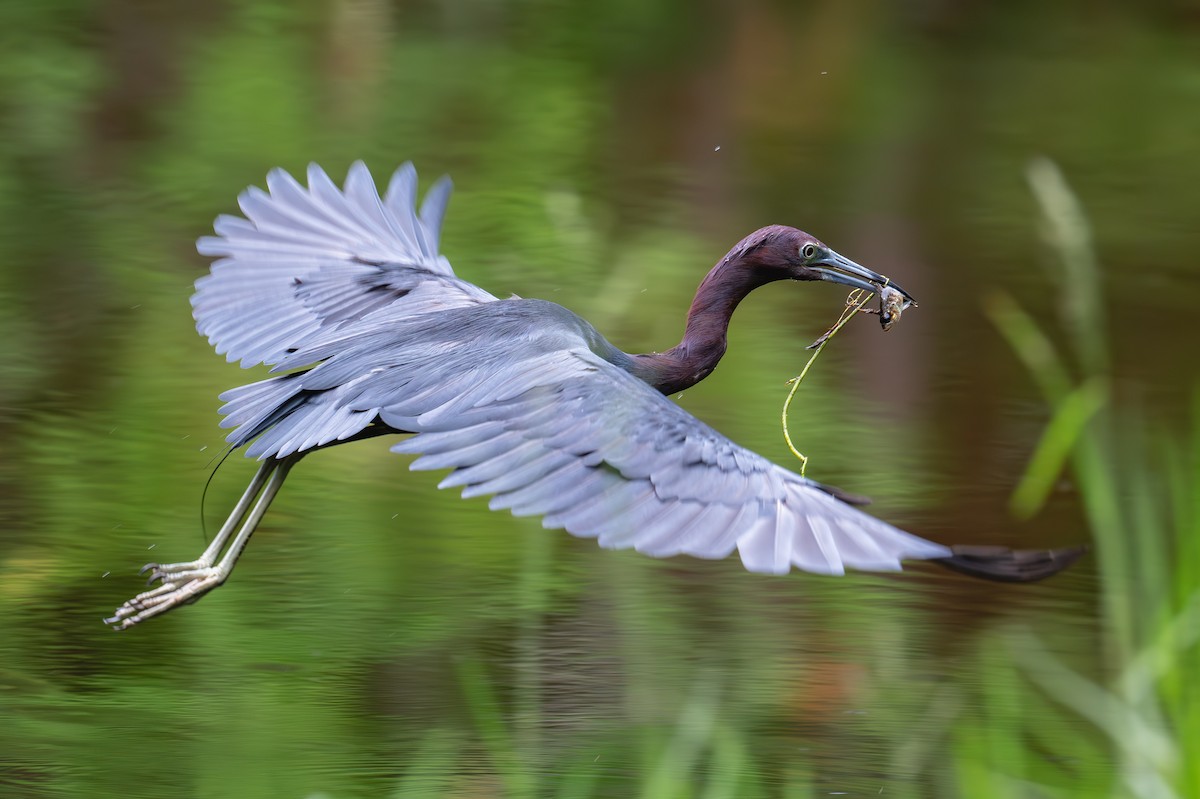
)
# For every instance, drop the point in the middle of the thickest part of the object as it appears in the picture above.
(1139, 484)
(382, 639)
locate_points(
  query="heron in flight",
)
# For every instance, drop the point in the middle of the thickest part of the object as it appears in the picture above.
(369, 332)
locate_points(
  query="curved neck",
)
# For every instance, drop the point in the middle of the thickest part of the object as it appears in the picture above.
(704, 338)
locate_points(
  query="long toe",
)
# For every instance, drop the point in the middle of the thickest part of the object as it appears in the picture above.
(171, 594)
(168, 572)
(161, 574)
(176, 572)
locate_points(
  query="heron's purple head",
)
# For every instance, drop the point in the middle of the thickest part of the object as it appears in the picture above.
(779, 252)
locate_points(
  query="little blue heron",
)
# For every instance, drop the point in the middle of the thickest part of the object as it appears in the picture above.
(345, 294)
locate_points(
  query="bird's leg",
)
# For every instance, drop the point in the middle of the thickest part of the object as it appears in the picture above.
(183, 583)
(175, 571)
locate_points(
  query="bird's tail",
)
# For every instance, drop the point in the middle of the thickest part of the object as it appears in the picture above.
(1010, 565)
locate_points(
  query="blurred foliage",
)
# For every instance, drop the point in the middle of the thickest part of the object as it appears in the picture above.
(383, 639)
(1139, 490)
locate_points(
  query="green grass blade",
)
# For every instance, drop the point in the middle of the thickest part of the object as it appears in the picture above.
(1030, 345)
(1070, 419)
(518, 780)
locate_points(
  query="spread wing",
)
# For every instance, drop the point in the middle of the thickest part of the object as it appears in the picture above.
(535, 418)
(307, 260)
(598, 452)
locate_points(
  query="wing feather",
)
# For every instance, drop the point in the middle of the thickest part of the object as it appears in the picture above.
(674, 516)
(306, 260)
(540, 464)
(540, 497)
(433, 209)
(515, 455)
(672, 537)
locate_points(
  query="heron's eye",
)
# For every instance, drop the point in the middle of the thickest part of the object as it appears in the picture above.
(808, 251)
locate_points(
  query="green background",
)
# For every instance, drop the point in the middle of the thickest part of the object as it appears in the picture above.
(383, 639)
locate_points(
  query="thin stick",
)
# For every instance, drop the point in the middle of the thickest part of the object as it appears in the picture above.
(853, 305)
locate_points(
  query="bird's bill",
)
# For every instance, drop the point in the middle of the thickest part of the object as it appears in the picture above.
(839, 269)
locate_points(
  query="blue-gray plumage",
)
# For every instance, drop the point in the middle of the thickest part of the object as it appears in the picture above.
(345, 295)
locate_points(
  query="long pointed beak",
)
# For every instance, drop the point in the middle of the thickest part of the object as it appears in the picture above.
(839, 269)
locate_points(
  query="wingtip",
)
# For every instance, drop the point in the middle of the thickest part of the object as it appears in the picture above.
(316, 174)
(1011, 565)
(406, 172)
(360, 169)
(277, 177)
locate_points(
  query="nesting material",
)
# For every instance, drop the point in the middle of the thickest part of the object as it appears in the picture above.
(891, 305)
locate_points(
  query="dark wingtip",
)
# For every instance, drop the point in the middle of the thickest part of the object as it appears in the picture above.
(1010, 565)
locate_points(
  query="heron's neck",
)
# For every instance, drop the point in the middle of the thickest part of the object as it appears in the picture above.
(704, 338)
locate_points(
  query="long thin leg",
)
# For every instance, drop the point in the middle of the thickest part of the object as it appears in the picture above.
(264, 502)
(160, 571)
(185, 585)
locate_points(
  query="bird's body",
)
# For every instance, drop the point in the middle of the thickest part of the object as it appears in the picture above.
(346, 296)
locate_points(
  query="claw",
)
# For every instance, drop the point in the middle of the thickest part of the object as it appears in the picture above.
(148, 566)
(177, 588)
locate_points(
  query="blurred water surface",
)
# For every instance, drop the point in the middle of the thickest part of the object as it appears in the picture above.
(383, 639)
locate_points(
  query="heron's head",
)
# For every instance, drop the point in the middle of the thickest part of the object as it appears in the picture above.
(785, 253)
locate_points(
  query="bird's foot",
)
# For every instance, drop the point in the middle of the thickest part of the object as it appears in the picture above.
(180, 586)
(175, 572)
